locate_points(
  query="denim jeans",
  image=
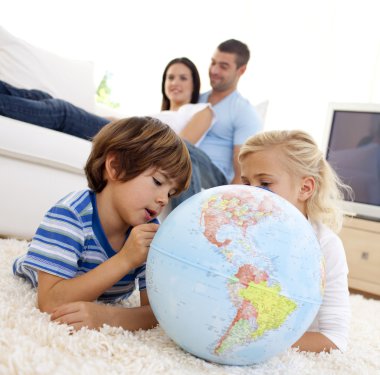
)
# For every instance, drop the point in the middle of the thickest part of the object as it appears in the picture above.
(205, 175)
(39, 108)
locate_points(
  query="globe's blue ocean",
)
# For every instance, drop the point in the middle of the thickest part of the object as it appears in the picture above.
(235, 275)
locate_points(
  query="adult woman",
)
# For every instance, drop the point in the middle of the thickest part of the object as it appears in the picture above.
(180, 88)
(191, 120)
(39, 108)
(180, 108)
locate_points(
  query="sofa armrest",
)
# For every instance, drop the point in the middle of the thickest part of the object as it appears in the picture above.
(36, 144)
(39, 166)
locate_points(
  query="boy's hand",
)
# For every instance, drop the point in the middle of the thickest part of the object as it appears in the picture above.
(137, 245)
(94, 315)
(81, 314)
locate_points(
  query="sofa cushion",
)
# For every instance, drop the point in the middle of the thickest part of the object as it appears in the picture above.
(26, 66)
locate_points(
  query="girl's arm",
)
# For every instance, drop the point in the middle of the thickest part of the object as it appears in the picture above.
(314, 342)
(198, 125)
(332, 320)
(54, 291)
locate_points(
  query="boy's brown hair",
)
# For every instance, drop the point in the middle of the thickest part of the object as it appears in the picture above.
(139, 143)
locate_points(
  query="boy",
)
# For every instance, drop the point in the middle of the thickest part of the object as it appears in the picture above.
(92, 244)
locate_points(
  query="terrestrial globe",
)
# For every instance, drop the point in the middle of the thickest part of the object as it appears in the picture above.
(235, 275)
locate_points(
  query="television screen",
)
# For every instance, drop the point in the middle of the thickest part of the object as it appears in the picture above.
(353, 150)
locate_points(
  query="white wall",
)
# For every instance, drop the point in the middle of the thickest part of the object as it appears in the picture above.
(304, 53)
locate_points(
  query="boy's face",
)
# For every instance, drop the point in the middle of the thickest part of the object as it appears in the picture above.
(143, 198)
(266, 169)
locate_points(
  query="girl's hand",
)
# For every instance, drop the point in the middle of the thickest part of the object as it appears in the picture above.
(137, 245)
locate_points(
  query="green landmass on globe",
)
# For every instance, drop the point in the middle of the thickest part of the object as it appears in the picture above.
(259, 305)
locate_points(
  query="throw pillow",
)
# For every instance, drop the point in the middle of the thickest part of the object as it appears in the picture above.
(26, 66)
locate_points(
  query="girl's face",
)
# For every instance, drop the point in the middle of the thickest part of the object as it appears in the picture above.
(178, 85)
(266, 169)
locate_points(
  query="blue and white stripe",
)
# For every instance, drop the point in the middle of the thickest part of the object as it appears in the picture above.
(70, 242)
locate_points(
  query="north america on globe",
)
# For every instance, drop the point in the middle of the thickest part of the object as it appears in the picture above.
(260, 307)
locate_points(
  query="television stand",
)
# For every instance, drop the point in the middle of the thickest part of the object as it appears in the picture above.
(361, 240)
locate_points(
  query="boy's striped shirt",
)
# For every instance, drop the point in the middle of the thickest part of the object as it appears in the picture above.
(70, 242)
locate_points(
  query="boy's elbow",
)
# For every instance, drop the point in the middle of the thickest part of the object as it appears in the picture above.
(49, 294)
(45, 305)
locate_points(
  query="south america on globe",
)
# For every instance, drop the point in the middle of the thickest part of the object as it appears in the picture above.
(235, 275)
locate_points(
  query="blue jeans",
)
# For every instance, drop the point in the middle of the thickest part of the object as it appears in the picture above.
(39, 108)
(205, 175)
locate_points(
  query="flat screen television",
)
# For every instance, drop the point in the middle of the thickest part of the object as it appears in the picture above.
(352, 146)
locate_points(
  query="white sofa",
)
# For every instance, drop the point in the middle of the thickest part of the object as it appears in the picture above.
(39, 166)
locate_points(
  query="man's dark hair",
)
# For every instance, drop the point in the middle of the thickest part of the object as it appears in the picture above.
(238, 48)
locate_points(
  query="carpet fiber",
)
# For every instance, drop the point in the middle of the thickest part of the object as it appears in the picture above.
(31, 344)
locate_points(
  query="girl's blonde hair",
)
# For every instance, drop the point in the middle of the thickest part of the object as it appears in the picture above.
(303, 158)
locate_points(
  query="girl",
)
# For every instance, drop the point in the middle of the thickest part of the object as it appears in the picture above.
(290, 164)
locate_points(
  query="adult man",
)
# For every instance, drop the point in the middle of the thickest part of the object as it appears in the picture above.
(236, 118)
(215, 159)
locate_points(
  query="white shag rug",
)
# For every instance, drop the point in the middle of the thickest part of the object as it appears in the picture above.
(31, 344)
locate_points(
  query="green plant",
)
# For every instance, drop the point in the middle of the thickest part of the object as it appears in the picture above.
(103, 93)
